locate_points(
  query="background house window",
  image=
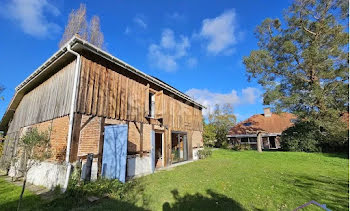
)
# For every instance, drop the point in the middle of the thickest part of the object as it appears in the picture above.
(151, 102)
(244, 139)
(252, 139)
(247, 124)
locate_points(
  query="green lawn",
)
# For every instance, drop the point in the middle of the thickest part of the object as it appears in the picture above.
(9, 195)
(229, 181)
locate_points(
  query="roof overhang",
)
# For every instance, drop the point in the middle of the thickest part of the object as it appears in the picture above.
(252, 135)
(48, 68)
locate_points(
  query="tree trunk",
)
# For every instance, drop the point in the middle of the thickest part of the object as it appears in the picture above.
(23, 188)
(258, 142)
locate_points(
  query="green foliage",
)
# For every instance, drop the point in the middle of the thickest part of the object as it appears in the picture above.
(303, 62)
(310, 137)
(209, 135)
(241, 147)
(204, 153)
(303, 136)
(98, 188)
(220, 121)
(35, 145)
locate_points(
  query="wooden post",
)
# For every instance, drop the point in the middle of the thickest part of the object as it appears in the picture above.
(141, 140)
(100, 147)
(258, 142)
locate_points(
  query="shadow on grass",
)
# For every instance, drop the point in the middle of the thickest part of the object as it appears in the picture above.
(325, 190)
(31, 202)
(336, 155)
(198, 201)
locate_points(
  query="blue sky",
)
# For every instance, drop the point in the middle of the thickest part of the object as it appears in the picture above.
(195, 46)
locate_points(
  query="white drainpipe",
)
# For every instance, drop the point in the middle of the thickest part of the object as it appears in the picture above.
(71, 114)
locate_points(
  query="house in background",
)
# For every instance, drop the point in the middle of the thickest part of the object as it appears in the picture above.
(269, 124)
(96, 104)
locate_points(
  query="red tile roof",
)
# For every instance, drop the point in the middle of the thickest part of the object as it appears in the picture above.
(276, 123)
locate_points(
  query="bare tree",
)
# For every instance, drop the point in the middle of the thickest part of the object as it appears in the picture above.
(34, 147)
(77, 24)
(95, 34)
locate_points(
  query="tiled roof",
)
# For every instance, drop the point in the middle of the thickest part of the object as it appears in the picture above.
(276, 123)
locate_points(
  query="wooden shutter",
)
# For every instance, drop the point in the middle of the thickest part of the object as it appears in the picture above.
(146, 101)
(159, 105)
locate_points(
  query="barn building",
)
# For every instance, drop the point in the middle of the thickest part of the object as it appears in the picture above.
(94, 103)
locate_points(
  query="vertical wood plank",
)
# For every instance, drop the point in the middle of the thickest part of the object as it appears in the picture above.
(96, 89)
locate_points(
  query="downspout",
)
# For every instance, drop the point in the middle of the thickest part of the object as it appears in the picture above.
(71, 113)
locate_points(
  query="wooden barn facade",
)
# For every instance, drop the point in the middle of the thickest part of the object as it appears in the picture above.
(94, 103)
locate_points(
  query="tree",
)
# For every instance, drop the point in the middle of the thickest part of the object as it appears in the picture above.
(96, 36)
(34, 147)
(303, 136)
(302, 64)
(222, 119)
(209, 135)
(77, 24)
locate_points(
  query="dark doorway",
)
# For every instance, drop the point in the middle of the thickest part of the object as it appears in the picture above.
(179, 150)
(272, 142)
(158, 150)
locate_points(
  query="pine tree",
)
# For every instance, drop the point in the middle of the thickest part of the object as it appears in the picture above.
(303, 63)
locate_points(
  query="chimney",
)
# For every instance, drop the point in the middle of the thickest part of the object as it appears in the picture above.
(267, 112)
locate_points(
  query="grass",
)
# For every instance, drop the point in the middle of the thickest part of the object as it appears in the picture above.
(228, 181)
(9, 194)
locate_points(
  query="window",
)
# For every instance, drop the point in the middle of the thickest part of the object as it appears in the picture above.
(151, 102)
(247, 124)
(244, 139)
(178, 147)
(252, 139)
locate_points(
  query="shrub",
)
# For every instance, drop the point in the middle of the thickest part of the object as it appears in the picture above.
(204, 153)
(303, 136)
(309, 137)
(241, 147)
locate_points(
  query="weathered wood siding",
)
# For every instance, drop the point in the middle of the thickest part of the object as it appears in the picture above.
(109, 92)
(49, 100)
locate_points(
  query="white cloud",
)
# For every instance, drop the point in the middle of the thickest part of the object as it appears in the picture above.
(220, 33)
(169, 51)
(209, 99)
(32, 16)
(139, 21)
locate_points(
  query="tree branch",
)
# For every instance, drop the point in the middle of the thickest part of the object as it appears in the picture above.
(307, 30)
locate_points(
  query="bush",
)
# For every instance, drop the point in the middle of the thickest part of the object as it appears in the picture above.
(303, 136)
(309, 137)
(241, 147)
(204, 153)
(100, 188)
